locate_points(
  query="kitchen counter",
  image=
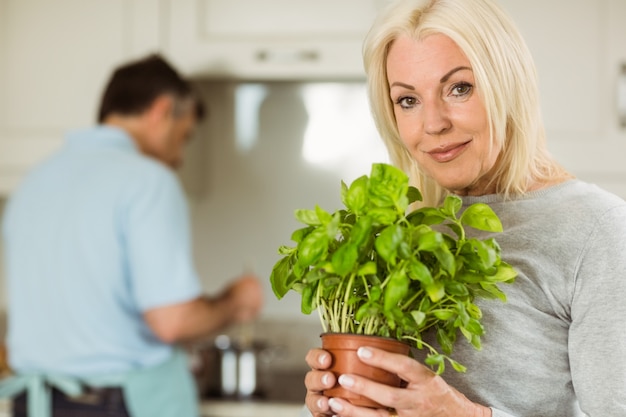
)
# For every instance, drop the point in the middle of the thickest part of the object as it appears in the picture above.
(220, 408)
(5, 408)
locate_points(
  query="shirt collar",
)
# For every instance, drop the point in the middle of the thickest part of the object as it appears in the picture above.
(102, 136)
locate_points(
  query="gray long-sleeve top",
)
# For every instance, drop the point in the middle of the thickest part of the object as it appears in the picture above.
(557, 347)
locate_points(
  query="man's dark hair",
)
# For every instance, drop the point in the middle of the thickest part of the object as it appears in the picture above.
(134, 86)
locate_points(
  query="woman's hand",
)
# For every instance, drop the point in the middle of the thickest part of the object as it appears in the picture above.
(425, 395)
(317, 380)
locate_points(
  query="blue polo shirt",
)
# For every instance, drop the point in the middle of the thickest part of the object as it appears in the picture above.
(94, 236)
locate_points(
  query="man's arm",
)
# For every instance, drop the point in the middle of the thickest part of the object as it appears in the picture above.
(182, 322)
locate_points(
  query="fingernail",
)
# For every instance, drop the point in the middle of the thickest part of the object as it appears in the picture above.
(346, 381)
(325, 379)
(322, 359)
(336, 407)
(320, 403)
(364, 353)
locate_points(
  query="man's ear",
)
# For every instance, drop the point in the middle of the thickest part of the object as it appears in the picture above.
(161, 108)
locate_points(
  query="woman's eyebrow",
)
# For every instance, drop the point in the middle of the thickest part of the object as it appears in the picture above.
(399, 84)
(442, 80)
(452, 71)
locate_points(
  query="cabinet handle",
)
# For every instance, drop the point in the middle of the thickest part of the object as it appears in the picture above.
(621, 96)
(287, 56)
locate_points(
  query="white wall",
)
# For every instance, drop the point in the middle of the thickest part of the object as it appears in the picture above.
(244, 192)
(578, 55)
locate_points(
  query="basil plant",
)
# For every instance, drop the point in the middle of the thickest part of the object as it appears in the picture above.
(371, 268)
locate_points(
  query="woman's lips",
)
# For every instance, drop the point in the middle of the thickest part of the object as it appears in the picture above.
(448, 153)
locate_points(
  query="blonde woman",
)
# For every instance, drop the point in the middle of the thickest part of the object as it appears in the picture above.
(454, 94)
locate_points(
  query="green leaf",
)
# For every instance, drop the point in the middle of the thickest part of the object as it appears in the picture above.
(299, 234)
(323, 216)
(436, 360)
(367, 269)
(474, 327)
(355, 198)
(383, 215)
(457, 229)
(316, 274)
(281, 277)
(435, 291)
(463, 316)
(427, 216)
(375, 293)
(313, 248)
(474, 311)
(395, 290)
(505, 273)
(367, 310)
(456, 289)
(418, 316)
(362, 230)
(446, 259)
(307, 217)
(414, 194)
(307, 302)
(443, 314)
(479, 257)
(476, 342)
(457, 366)
(480, 216)
(344, 259)
(387, 242)
(404, 250)
(332, 226)
(430, 241)
(451, 205)
(466, 333)
(388, 187)
(418, 271)
(286, 250)
(493, 290)
(444, 340)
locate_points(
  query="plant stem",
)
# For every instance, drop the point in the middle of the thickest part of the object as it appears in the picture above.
(348, 292)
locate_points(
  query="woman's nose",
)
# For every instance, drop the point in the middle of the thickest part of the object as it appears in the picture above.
(436, 120)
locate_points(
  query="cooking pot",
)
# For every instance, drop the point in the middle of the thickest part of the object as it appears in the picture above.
(225, 368)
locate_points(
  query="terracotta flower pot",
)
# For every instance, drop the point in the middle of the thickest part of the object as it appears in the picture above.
(343, 347)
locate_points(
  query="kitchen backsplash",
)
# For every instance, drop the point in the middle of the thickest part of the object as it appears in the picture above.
(284, 343)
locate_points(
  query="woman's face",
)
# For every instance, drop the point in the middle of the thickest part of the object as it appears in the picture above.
(440, 116)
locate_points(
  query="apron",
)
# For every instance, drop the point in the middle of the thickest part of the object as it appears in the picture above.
(165, 390)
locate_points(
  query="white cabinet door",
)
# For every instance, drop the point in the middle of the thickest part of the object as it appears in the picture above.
(567, 40)
(579, 47)
(55, 57)
(270, 39)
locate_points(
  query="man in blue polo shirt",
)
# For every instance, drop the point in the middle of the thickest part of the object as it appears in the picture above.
(101, 281)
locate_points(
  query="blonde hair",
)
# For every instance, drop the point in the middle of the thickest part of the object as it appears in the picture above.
(505, 79)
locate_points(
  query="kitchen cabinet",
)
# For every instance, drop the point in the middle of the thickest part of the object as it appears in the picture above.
(269, 39)
(579, 55)
(54, 60)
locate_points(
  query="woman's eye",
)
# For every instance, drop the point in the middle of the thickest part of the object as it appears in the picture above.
(461, 89)
(406, 102)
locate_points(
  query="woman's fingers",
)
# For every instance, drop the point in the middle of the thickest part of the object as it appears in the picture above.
(318, 359)
(407, 368)
(343, 408)
(317, 380)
